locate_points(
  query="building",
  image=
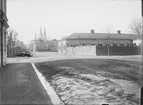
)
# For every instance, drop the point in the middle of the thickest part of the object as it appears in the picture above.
(41, 44)
(3, 34)
(62, 46)
(102, 44)
(42, 35)
(44, 46)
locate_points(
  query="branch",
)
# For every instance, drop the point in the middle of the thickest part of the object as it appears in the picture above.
(136, 27)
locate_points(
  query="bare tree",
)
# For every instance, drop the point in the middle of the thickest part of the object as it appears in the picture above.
(108, 30)
(12, 38)
(136, 26)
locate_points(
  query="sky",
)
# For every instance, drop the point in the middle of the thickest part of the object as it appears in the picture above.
(65, 17)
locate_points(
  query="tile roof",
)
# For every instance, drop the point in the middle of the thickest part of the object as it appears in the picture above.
(103, 36)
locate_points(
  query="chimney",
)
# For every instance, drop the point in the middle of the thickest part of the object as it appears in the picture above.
(119, 31)
(92, 31)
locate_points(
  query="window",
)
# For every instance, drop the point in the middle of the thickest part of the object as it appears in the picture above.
(121, 44)
(125, 44)
(5, 43)
(0, 4)
(99, 44)
(128, 45)
(103, 44)
(118, 44)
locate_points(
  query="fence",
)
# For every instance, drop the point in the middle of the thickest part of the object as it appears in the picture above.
(122, 50)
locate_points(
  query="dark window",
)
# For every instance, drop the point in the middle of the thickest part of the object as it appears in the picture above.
(99, 44)
(134, 44)
(121, 44)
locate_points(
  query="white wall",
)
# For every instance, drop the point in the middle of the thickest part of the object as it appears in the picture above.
(137, 42)
(62, 46)
(86, 50)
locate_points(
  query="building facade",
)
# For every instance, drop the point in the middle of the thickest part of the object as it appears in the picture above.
(62, 46)
(44, 45)
(102, 44)
(3, 32)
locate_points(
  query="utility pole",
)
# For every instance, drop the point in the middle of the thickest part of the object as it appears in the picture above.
(34, 45)
(108, 49)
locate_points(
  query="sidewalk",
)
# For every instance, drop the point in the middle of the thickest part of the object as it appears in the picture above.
(20, 85)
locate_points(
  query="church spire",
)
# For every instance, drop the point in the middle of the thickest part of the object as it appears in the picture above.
(45, 34)
(41, 34)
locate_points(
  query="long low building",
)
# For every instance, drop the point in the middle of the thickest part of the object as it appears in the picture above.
(101, 44)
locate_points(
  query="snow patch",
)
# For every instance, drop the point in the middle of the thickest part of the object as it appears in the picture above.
(90, 89)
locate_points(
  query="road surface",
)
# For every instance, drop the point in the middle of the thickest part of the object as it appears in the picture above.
(51, 56)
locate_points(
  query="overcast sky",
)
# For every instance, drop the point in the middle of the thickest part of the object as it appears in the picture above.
(64, 17)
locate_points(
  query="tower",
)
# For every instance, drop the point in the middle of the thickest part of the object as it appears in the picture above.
(41, 34)
(45, 34)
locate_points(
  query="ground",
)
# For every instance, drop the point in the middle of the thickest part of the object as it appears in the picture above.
(20, 85)
(81, 81)
(84, 79)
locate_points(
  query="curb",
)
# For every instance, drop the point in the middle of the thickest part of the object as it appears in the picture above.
(49, 90)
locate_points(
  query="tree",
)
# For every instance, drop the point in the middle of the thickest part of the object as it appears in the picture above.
(136, 26)
(108, 30)
(12, 38)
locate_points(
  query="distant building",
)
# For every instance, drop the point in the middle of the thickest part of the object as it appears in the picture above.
(101, 43)
(62, 46)
(42, 44)
(45, 46)
(42, 35)
(3, 33)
